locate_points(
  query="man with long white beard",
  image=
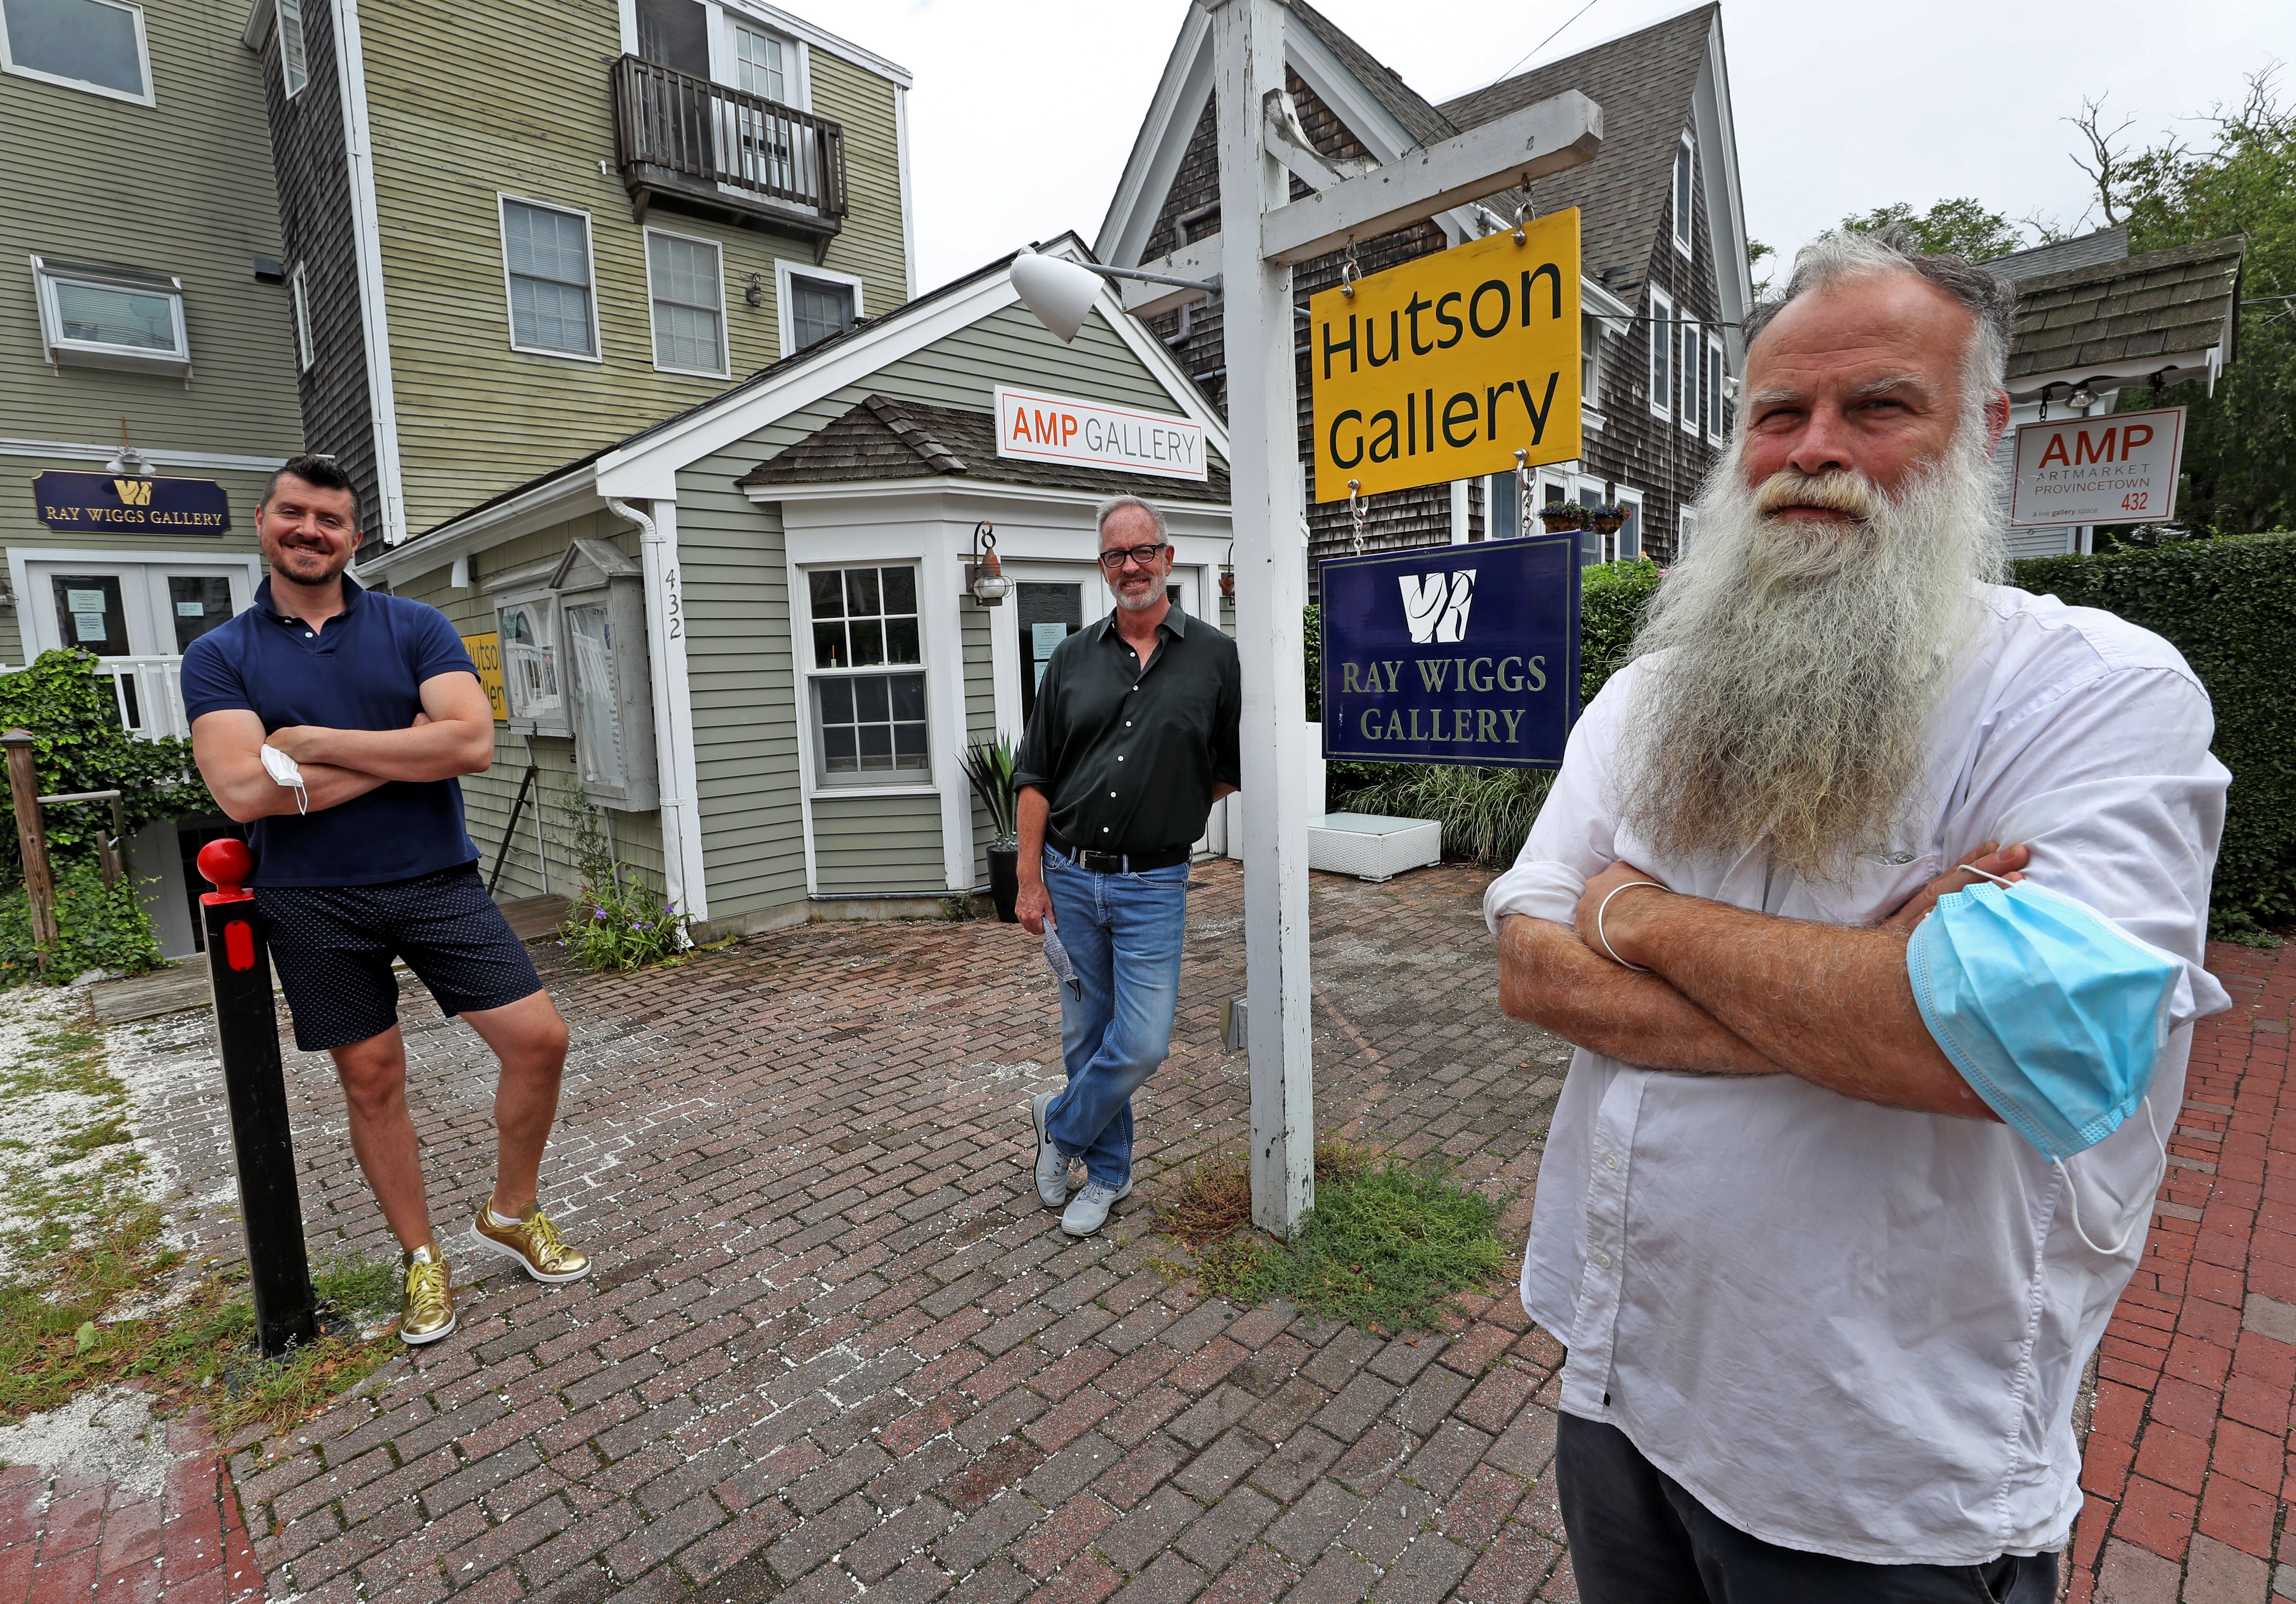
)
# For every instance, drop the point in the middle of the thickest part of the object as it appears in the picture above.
(1805, 1220)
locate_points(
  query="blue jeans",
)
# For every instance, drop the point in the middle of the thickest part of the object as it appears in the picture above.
(1122, 933)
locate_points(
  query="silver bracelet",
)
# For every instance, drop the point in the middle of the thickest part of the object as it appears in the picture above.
(1604, 941)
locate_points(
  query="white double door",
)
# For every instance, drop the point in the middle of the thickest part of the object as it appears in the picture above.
(137, 608)
(1052, 601)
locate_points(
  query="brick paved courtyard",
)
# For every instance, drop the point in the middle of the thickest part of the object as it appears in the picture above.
(837, 1348)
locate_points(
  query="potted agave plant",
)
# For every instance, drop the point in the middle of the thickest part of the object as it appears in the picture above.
(1560, 517)
(988, 767)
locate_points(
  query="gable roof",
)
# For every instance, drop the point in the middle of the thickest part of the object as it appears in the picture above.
(2172, 312)
(879, 439)
(2104, 245)
(1418, 114)
(1645, 82)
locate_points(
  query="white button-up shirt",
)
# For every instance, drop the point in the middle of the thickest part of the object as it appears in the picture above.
(1843, 1328)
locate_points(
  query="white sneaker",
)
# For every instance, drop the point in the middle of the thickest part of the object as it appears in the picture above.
(1051, 1164)
(1088, 1211)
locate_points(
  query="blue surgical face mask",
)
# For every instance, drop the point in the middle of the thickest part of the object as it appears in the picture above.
(2053, 1013)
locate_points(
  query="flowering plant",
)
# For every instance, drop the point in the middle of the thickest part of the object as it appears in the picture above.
(624, 925)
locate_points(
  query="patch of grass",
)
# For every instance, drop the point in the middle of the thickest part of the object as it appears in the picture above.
(1387, 1246)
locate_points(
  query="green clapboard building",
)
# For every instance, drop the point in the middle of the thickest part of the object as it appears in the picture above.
(148, 377)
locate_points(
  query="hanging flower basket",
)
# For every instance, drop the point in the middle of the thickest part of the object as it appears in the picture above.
(1605, 520)
(1560, 517)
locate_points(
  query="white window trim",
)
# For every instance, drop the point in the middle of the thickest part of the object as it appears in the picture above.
(90, 353)
(298, 309)
(784, 306)
(590, 257)
(150, 97)
(1686, 529)
(1693, 337)
(817, 785)
(1684, 233)
(724, 368)
(1662, 328)
(1590, 378)
(287, 79)
(1716, 372)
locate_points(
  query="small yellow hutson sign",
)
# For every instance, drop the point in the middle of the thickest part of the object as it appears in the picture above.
(1445, 367)
(486, 654)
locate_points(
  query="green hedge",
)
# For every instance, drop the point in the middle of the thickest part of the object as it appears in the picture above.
(2229, 605)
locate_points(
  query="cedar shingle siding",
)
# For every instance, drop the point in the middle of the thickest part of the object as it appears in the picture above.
(1646, 84)
(311, 154)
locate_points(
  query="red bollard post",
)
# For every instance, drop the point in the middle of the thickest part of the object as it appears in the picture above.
(263, 1149)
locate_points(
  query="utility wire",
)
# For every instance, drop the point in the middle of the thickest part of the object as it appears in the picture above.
(1543, 43)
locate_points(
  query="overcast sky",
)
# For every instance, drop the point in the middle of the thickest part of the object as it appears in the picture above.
(1024, 111)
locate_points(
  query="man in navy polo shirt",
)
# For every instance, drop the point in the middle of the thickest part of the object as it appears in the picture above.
(374, 698)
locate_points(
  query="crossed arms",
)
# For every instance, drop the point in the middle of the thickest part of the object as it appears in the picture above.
(453, 735)
(1731, 992)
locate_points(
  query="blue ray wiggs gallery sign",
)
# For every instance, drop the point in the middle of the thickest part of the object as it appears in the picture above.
(106, 502)
(1461, 654)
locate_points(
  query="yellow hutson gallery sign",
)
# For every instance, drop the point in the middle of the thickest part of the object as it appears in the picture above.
(1445, 367)
(486, 656)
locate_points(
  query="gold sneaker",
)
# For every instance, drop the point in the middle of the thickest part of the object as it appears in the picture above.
(535, 1243)
(426, 1307)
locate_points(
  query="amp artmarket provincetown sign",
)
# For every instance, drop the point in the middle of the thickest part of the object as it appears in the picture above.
(1092, 434)
(1444, 368)
(84, 503)
(2117, 467)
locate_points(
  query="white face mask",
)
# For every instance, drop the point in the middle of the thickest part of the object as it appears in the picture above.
(285, 771)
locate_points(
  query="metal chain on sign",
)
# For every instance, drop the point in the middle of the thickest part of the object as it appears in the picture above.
(1357, 513)
(1525, 487)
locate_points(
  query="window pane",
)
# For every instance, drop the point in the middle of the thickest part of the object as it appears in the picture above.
(868, 643)
(684, 271)
(545, 244)
(292, 65)
(81, 39)
(818, 310)
(686, 337)
(900, 589)
(876, 746)
(597, 719)
(909, 744)
(90, 613)
(826, 589)
(870, 698)
(837, 700)
(829, 647)
(908, 695)
(840, 751)
(901, 641)
(861, 593)
(757, 64)
(549, 316)
(120, 317)
(197, 603)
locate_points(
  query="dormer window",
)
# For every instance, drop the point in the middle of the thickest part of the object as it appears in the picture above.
(1683, 163)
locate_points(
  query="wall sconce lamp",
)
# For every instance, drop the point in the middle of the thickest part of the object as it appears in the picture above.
(755, 293)
(1227, 572)
(984, 576)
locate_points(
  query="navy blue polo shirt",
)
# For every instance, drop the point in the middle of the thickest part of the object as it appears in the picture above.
(363, 671)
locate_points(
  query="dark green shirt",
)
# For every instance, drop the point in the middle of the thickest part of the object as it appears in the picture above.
(1128, 754)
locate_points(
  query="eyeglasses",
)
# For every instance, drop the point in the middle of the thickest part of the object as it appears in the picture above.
(1145, 555)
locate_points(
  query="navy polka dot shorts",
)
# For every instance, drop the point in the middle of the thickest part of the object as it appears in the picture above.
(333, 945)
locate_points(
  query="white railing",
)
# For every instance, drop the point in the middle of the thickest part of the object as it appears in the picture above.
(151, 695)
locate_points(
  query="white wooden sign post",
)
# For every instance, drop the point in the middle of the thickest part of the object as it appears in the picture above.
(1262, 234)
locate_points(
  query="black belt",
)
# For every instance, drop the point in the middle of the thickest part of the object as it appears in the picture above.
(1115, 862)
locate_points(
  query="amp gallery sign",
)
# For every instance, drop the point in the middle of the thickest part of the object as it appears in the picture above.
(2119, 468)
(1091, 434)
(82, 502)
(1466, 654)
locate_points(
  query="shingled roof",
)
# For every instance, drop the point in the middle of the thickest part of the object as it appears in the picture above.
(881, 439)
(2164, 309)
(1645, 83)
(1420, 117)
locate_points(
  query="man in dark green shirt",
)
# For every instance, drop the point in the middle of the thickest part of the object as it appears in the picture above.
(1132, 740)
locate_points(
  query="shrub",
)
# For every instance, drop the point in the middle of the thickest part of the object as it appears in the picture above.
(80, 746)
(97, 927)
(2229, 605)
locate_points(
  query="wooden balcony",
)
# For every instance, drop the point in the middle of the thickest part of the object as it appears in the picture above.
(696, 146)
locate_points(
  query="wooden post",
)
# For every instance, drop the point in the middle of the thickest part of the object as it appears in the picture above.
(39, 884)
